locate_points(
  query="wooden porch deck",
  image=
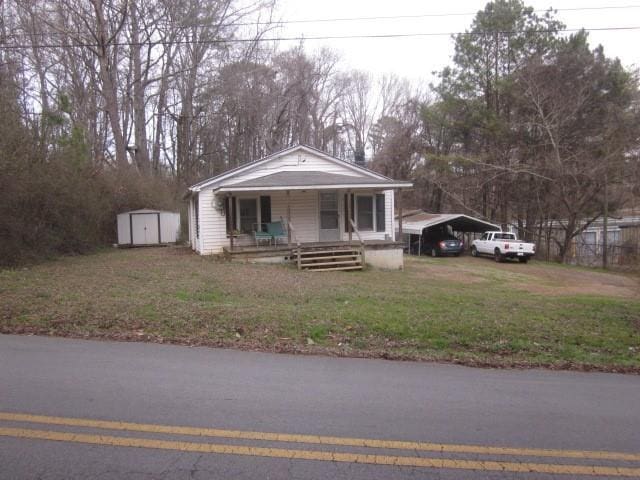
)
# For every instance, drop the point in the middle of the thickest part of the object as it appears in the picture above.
(285, 249)
(323, 256)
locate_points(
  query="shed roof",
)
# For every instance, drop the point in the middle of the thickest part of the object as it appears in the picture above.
(310, 180)
(416, 222)
(145, 210)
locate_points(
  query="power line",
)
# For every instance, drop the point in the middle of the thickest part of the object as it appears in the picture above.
(357, 19)
(427, 15)
(322, 37)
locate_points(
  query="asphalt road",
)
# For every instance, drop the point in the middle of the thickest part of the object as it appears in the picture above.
(335, 418)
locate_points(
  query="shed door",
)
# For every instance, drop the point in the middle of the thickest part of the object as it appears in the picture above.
(329, 224)
(144, 228)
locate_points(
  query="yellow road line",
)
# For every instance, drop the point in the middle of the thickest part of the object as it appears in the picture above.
(319, 455)
(317, 439)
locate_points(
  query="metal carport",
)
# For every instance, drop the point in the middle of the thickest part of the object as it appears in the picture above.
(414, 223)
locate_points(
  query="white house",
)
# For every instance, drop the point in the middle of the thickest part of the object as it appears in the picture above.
(308, 193)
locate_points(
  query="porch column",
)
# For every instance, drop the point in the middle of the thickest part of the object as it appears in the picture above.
(349, 215)
(233, 220)
(400, 212)
(288, 217)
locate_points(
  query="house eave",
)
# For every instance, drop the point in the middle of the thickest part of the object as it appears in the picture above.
(359, 186)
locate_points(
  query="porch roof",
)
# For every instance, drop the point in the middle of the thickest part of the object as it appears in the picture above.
(311, 180)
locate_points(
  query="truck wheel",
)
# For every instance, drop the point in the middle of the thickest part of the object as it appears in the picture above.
(434, 252)
(497, 256)
(523, 260)
(474, 252)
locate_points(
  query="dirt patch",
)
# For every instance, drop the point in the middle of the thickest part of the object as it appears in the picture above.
(535, 277)
(449, 273)
(563, 280)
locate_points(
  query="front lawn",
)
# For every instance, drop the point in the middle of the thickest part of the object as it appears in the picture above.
(463, 310)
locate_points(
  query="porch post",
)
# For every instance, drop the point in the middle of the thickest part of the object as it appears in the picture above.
(233, 220)
(400, 212)
(349, 215)
(288, 217)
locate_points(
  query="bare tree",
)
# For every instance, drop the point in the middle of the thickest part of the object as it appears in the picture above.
(584, 108)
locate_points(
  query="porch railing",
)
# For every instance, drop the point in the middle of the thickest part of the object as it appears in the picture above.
(357, 232)
(291, 233)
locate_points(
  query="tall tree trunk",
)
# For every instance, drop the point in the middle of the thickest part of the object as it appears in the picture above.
(139, 114)
(109, 92)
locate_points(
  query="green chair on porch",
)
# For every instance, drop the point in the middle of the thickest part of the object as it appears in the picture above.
(277, 231)
(260, 235)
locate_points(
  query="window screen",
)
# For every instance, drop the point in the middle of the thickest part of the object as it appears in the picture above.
(248, 214)
(265, 209)
(365, 212)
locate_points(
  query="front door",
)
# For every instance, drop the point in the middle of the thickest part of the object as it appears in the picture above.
(329, 221)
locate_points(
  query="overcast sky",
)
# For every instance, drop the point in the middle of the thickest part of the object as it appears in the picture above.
(416, 57)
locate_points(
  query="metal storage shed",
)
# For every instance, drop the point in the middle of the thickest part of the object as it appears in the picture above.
(148, 227)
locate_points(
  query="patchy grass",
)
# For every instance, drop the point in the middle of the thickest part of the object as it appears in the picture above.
(464, 310)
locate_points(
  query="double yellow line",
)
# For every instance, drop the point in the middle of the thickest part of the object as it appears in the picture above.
(410, 461)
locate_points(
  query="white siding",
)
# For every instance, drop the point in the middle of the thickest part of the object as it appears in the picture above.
(190, 223)
(304, 212)
(195, 244)
(391, 218)
(169, 227)
(213, 226)
(388, 213)
(296, 161)
(124, 231)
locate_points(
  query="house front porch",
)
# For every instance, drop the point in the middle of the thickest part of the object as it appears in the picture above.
(319, 227)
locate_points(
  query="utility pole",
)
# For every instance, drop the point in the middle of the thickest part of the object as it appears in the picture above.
(605, 220)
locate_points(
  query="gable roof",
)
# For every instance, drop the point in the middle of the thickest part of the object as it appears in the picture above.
(376, 177)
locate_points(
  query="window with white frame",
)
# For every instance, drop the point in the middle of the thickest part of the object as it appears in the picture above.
(247, 214)
(613, 237)
(370, 212)
(364, 212)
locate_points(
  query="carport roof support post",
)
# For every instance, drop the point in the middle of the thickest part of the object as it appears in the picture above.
(400, 212)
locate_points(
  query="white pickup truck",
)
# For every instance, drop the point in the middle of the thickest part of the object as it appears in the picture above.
(503, 245)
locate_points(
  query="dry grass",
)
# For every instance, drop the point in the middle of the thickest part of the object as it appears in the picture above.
(463, 310)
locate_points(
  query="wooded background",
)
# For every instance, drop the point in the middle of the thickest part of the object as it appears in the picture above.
(109, 105)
